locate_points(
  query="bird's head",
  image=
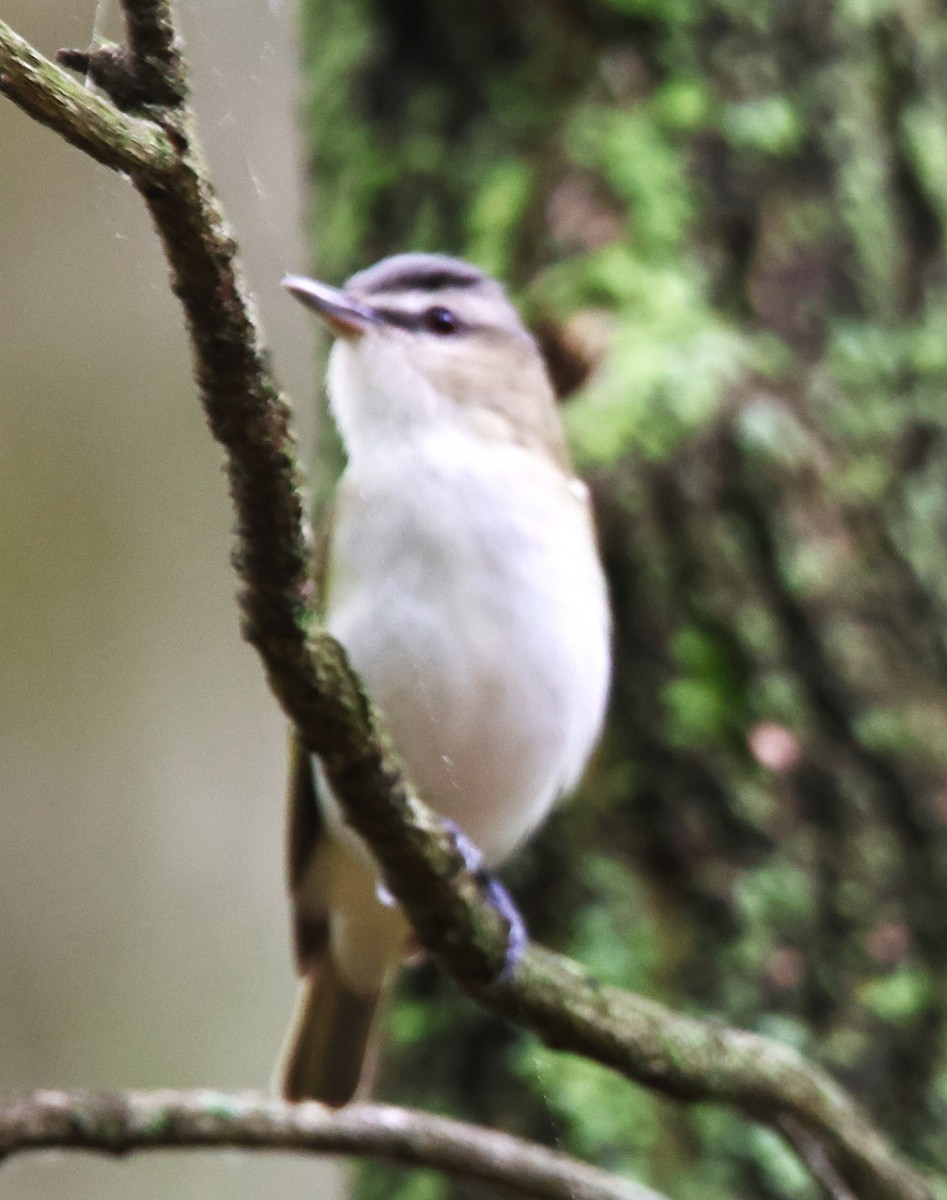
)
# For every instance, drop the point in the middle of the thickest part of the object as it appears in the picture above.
(423, 339)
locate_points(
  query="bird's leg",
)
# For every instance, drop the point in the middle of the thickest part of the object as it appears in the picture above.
(497, 896)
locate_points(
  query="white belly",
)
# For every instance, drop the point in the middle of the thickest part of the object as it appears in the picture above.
(470, 599)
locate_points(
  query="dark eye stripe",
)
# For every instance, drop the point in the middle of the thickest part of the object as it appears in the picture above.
(418, 321)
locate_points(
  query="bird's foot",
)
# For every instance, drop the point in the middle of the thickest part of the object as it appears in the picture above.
(497, 896)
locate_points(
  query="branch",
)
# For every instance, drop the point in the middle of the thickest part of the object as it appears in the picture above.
(310, 675)
(694, 1060)
(155, 51)
(116, 1123)
(51, 96)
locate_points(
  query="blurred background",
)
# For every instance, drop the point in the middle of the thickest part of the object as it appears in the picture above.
(143, 937)
(727, 224)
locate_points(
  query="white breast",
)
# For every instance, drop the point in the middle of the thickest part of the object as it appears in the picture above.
(467, 590)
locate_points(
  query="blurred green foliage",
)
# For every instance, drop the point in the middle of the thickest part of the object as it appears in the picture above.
(727, 222)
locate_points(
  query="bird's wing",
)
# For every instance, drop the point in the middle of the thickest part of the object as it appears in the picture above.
(305, 833)
(304, 836)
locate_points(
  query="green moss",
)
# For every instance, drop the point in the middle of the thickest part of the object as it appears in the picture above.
(337, 42)
(780, 1167)
(496, 213)
(924, 128)
(864, 169)
(768, 427)
(705, 699)
(644, 168)
(416, 1184)
(670, 361)
(613, 935)
(896, 996)
(653, 391)
(771, 125)
(778, 896)
(683, 104)
(610, 1121)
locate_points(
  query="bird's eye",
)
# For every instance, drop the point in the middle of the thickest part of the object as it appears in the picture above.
(441, 320)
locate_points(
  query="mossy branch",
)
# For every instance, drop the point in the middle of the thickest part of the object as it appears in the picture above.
(148, 134)
(139, 148)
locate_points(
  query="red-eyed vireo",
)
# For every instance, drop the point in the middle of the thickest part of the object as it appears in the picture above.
(463, 580)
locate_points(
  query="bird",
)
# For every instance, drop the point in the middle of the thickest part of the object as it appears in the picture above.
(462, 577)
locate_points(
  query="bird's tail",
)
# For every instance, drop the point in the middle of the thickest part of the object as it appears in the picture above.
(330, 1053)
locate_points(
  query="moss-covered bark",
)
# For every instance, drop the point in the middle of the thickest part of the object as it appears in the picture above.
(728, 222)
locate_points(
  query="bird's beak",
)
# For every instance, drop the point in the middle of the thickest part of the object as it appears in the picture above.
(345, 316)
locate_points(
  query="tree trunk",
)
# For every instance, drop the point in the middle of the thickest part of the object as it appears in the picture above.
(727, 225)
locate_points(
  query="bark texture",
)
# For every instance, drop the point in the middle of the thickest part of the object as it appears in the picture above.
(727, 223)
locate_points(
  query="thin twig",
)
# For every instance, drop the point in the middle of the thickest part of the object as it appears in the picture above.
(117, 1123)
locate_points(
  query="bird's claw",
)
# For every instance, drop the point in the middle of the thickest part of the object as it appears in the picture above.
(497, 896)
